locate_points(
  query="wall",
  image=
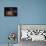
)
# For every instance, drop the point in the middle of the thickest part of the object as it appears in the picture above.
(29, 12)
(33, 11)
(7, 24)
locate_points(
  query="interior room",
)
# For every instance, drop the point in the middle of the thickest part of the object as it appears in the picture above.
(28, 12)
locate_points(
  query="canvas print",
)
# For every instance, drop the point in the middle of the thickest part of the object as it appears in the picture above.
(10, 11)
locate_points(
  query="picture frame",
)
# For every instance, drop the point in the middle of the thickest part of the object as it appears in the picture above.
(10, 11)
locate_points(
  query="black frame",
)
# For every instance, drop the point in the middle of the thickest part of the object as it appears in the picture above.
(10, 9)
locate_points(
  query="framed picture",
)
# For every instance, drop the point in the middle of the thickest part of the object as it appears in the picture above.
(10, 11)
